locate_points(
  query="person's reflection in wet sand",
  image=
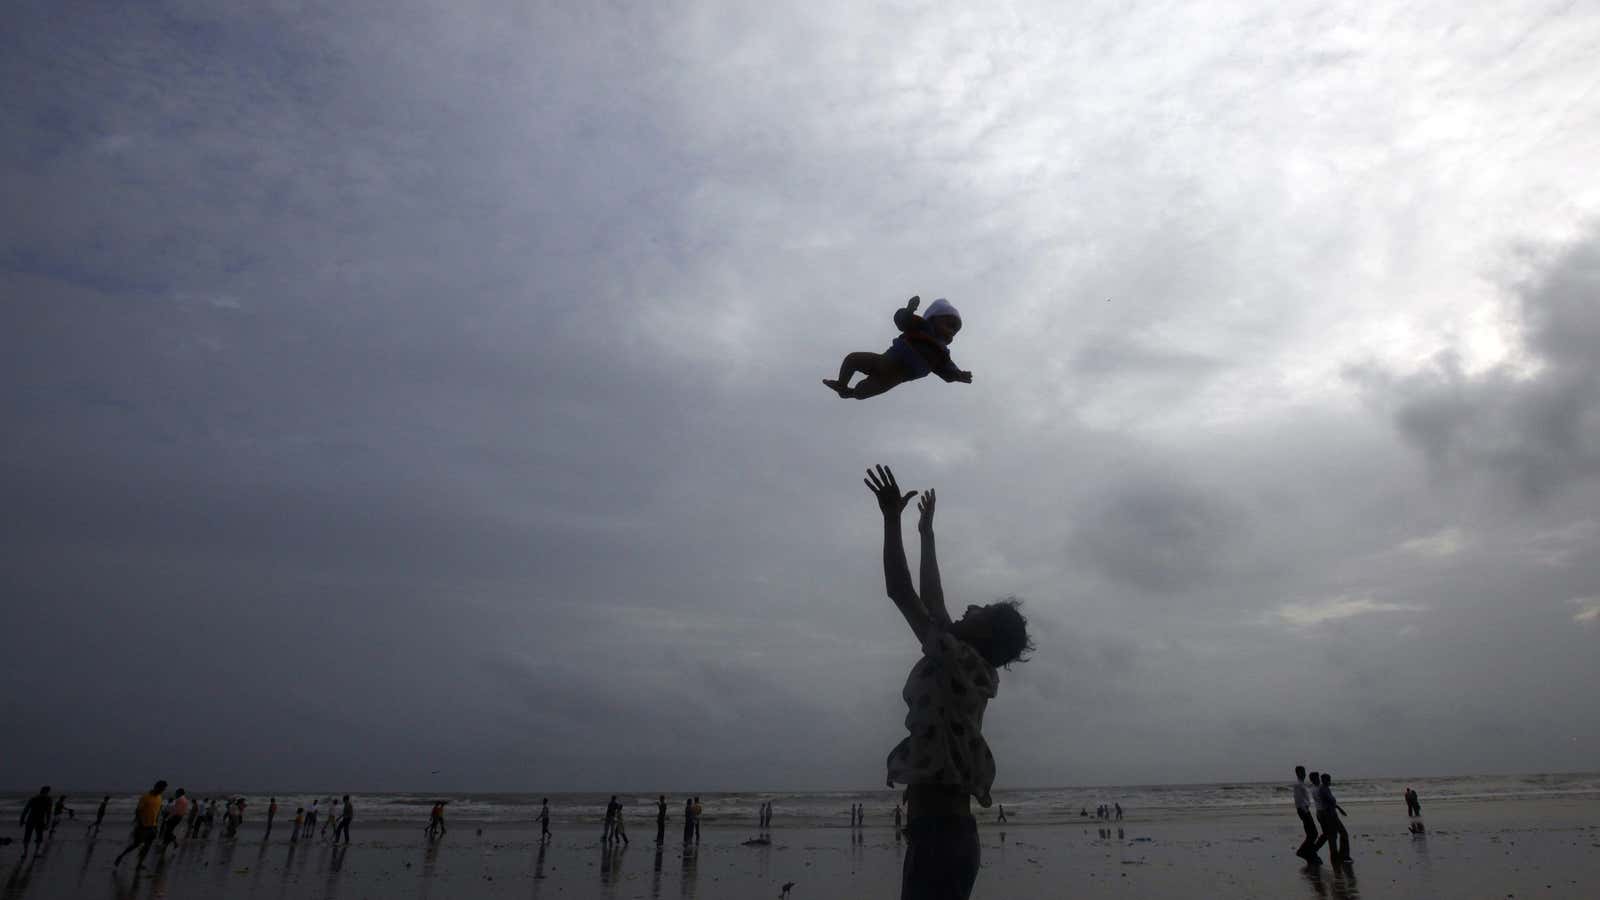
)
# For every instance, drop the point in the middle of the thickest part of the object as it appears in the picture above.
(430, 858)
(224, 864)
(335, 863)
(655, 876)
(17, 881)
(1313, 876)
(288, 862)
(614, 877)
(605, 862)
(124, 888)
(689, 873)
(88, 854)
(255, 870)
(1344, 882)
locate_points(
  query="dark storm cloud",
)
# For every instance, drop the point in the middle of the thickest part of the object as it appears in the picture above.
(1533, 424)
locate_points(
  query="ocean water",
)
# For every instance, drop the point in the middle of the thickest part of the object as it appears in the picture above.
(1026, 806)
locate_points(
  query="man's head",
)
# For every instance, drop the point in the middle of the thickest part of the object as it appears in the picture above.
(1300, 773)
(160, 788)
(44, 791)
(181, 792)
(1314, 779)
(998, 631)
(1327, 780)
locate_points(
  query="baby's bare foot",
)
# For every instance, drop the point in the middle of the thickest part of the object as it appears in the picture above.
(838, 387)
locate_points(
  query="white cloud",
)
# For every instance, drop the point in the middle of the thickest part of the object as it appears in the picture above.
(1313, 614)
(1588, 610)
(1439, 545)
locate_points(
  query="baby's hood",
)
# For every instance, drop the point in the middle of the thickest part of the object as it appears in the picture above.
(941, 307)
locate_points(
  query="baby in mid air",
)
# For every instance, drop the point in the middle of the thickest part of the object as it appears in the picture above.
(922, 347)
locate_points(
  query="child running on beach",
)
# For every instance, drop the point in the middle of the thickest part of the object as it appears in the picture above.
(944, 761)
(922, 347)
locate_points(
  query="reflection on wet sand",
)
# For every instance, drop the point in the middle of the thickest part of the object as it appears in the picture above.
(1336, 881)
(690, 861)
(655, 877)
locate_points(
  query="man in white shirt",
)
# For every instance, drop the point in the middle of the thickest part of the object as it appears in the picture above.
(1302, 808)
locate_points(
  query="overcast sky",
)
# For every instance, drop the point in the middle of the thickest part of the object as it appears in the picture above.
(392, 387)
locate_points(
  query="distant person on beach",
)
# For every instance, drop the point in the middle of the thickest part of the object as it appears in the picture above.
(55, 816)
(272, 813)
(1001, 818)
(146, 819)
(611, 819)
(544, 820)
(100, 814)
(697, 809)
(35, 820)
(619, 828)
(1413, 804)
(310, 829)
(898, 821)
(1333, 831)
(661, 818)
(175, 816)
(299, 821)
(194, 819)
(435, 820)
(688, 819)
(1302, 809)
(944, 760)
(1119, 811)
(345, 816)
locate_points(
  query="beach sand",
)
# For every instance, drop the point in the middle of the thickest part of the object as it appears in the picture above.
(1545, 848)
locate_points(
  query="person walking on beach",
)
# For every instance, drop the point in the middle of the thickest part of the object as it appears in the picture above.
(435, 820)
(696, 809)
(146, 817)
(1119, 811)
(544, 821)
(1333, 831)
(345, 815)
(175, 816)
(310, 829)
(611, 820)
(944, 760)
(100, 814)
(1302, 809)
(688, 819)
(661, 819)
(272, 813)
(619, 828)
(1001, 818)
(299, 820)
(55, 817)
(35, 820)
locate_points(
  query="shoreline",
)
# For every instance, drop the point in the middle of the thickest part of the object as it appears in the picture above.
(1540, 848)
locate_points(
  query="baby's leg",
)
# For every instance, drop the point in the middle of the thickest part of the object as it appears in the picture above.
(866, 363)
(875, 384)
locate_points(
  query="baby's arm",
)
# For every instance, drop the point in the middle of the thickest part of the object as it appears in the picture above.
(951, 372)
(906, 318)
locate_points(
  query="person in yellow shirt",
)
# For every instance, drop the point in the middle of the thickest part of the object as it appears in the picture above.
(146, 818)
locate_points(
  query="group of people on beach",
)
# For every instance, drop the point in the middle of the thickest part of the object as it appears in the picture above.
(615, 830)
(1315, 804)
(158, 820)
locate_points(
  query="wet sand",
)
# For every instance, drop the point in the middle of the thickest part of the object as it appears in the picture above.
(1491, 850)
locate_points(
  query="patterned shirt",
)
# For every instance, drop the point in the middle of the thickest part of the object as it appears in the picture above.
(946, 694)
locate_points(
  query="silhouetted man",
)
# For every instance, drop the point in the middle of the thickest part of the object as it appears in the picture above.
(35, 820)
(661, 818)
(146, 821)
(1333, 832)
(611, 820)
(1302, 808)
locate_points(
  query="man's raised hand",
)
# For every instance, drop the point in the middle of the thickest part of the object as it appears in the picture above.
(882, 484)
(925, 507)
